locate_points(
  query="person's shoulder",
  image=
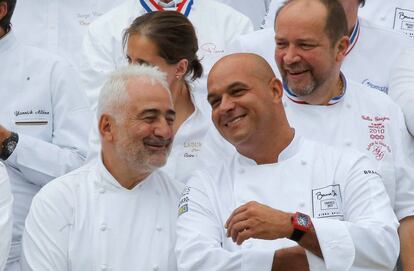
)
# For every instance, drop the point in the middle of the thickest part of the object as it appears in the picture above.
(117, 17)
(387, 36)
(67, 186)
(169, 186)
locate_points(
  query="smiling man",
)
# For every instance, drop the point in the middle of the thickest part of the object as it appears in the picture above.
(118, 213)
(283, 202)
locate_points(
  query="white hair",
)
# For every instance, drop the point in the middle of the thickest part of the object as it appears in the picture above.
(114, 92)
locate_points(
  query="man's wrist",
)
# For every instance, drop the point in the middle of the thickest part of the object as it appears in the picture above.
(4, 134)
(8, 146)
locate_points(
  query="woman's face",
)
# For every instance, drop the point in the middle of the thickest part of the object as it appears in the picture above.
(141, 50)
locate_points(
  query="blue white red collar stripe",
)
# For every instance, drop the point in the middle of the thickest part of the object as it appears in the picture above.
(183, 7)
(293, 97)
(353, 39)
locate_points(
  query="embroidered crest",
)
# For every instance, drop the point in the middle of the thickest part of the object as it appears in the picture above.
(377, 135)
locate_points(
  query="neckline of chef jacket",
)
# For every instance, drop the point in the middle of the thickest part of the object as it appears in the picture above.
(107, 178)
(291, 150)
(7, 41)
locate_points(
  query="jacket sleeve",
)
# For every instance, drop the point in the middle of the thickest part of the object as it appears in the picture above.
(46, 233)
(6, 201)
(367, 239)
(40, 160)
(199, 237)
(96, 63)
(401, 86)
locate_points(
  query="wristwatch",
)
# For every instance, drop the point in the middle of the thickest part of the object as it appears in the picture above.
(301, 224)
(8, 146)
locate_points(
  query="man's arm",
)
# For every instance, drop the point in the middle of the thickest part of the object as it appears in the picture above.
(6, 201)
(42, 160)
(406, 232)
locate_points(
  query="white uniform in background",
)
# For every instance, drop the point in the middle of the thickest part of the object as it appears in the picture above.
(43, 104)
(369, 122)
(6, 201)
(216, 25)
(402, 85)
(86, 220)
(58, 26)
(196, 145)
(256, 10)
(390, 14)
(353, 220)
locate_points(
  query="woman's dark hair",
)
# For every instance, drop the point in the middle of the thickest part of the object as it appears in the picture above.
(174, 36)
(5, 21)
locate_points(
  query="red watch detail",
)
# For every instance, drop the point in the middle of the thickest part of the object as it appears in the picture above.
(301, 223)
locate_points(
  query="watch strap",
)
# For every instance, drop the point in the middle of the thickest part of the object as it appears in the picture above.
(296, 235)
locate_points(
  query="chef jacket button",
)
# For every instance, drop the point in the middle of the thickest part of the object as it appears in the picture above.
(102, 190)
(348, 143)
(249, 245)
(383, 18)
(103, 227)
(302, 204)
(158, 228)
(348, 106)
(155, 268)
(303, 163)
(241, 171)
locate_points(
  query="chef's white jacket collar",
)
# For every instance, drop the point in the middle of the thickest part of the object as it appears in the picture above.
(109, 181)
(7, 41)
(291, 150)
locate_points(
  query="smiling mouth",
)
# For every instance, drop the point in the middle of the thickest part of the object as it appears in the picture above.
(158, 146)
(234, 121)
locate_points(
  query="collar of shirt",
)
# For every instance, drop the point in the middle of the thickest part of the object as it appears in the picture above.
(290, 151)
(109, 181)
(353, 39)
(293, 97)
(7, 41)
(183, 6)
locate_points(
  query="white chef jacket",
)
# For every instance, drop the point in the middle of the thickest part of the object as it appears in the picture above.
(402, 85)
(86, 220)
(216, 25)
(43, 104)
(390, 14)
(255, 11)
(196, 144)
(369, 122)
(6, 201)
(339, 189)
(58, 26)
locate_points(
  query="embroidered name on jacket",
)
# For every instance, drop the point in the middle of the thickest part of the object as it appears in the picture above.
(327, 201)
(192, 149)
(377, 136)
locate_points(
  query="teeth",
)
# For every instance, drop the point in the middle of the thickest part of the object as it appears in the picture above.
(234, 121)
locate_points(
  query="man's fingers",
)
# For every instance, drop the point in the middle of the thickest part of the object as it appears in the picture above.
(239, 217)
(240, 209)
(244, 235)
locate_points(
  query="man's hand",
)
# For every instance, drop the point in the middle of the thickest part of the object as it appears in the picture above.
(290, 259)
(255, 220)
(4, 134)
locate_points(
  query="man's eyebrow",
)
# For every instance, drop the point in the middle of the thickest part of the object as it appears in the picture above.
(150, 111)
(171, 112)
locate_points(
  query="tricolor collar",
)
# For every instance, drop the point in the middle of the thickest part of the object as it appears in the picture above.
(183, 7)
(353, 39)
(293, 97)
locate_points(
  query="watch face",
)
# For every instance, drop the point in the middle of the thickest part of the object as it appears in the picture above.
(303, 220)
(11, 146)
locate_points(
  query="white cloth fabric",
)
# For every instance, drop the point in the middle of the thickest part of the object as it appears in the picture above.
(255, 12)
(86, 220)
(369, 122)
(58, 26)
(6, 201)
(390, 14)
(216, 25)
(358, 233)
(401, 86)
(371, 59)
(196, 144)
(43, 104)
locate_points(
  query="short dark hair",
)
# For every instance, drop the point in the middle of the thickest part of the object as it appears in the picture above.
(174, 36)
(5, 21)
(362, 3)
(336, 25)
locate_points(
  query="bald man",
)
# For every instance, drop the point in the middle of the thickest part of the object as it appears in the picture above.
(283, 202)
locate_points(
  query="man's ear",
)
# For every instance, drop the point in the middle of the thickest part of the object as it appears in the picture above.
(341, 48)
(106, 126)
(277, 89)
(182, 67)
